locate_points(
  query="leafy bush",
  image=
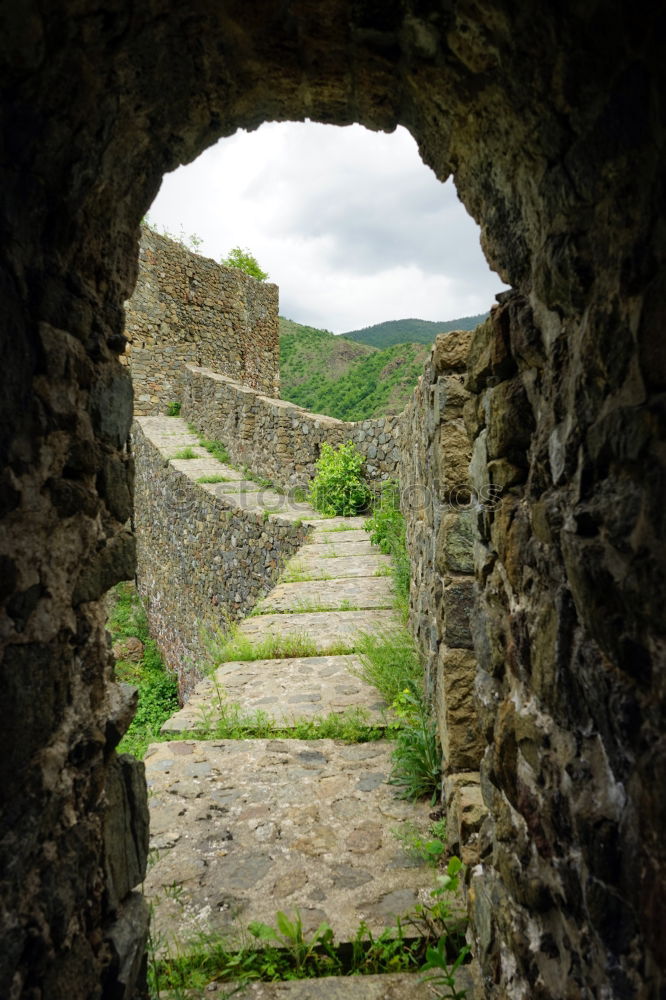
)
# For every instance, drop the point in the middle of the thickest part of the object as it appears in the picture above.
(173, 409)
(243, 260)
(338, 486)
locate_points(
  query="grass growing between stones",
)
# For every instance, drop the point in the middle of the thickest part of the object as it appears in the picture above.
(231, 722)
(216, 449)
(388, 532)
(158, 690)
(187, 452)
(391, 663)
(213, 479)
(425, 939)
(237, 646)
(297, 575)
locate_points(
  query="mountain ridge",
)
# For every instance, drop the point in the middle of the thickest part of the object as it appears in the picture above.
(409, 331)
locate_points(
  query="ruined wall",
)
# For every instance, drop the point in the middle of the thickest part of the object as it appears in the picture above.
(203, 560)
(186, 309)
(277, 439)
(440, 515)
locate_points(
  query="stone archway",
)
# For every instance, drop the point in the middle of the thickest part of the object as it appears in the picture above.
(550, 123)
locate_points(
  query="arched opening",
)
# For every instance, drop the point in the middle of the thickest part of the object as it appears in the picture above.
(569, 630)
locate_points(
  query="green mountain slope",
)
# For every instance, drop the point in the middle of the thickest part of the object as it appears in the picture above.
(332, 375)
(413, 331)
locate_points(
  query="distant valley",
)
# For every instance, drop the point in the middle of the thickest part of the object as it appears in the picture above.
(358, 375)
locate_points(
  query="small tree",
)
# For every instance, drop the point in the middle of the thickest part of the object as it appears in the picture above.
(244, 261)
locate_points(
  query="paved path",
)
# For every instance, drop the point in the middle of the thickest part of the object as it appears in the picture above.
(243, 828)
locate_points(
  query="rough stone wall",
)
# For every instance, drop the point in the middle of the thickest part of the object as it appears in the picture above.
(440, 516)
(551, 119)
(570, 645)
(277, 439)
(202, 560)
(186, 309)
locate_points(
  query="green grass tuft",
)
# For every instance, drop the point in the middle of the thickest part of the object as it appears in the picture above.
(187, 452)
(214, 479)
(216, 449)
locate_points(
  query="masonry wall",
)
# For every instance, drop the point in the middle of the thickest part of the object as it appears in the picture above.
(187, 309)
(277, 439)
(440, 515)
(202, 560)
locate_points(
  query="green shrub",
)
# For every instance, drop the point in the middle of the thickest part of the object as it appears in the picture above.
(173, 409)
(243, 260)
(338, 486)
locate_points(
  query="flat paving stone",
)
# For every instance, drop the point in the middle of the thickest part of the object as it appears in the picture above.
(333, 550)
(316, 568)
(323, 627)
(243, 828)
(390, 986)
(353, 592)
(394, 986)
(286, 690)
(338, 524)
(337, 537)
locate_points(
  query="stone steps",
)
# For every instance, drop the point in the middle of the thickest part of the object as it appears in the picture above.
(336, 567)
(351, 593)
(326, 628)
(391, 986)
(285, 690)
(244, 828)
(247, 827)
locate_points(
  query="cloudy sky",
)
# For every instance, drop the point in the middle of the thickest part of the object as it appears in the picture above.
(349, 223)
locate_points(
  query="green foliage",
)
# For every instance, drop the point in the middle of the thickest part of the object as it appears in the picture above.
(390, 662)
(173, 409)
(338, 486)
(387, 531)
(329, 374)
(285, 951)
(236, 646)
(215, 448)
(417, 755)
(158, 690)
(443, 970)
(414, 331)
(213, 479)
(428, 847)
(187, 452)
(230, 722)
(243, 260)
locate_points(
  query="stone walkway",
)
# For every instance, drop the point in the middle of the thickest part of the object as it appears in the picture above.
(243, 828)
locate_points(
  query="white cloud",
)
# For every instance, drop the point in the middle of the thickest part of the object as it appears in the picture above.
(349, 223)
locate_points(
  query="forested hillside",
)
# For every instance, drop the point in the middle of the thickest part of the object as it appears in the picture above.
(413, 331)
(330, 374)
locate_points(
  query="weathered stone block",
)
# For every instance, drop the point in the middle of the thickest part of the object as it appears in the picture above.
(450, 351)
(457, 601)
(125, 828)
(459, 731)
(454, 549)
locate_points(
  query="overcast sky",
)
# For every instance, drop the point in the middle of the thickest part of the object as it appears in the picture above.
(349, 223)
